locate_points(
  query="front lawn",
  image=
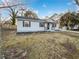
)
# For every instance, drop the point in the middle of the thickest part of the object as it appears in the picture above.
(61, 45)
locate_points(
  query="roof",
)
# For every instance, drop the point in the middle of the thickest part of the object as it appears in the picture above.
(56, 16)
(20, 18)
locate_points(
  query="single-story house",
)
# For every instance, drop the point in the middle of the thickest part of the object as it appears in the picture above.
(34, 25)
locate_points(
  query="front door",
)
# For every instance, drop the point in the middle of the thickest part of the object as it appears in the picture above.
(48, 26)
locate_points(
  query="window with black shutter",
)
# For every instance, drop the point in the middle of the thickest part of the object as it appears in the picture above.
(26, 24)
(42, 24)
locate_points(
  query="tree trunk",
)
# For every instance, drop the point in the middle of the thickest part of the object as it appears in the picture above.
(13, 22)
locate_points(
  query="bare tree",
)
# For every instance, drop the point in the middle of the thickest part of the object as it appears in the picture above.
(77, 2)
(12, 8)
(4, 6)
(13, 14)
(31, 14)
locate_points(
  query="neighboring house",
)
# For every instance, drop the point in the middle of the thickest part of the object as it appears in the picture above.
(34, 25)
(56, 18)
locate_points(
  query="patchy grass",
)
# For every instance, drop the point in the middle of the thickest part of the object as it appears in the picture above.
(40, 45)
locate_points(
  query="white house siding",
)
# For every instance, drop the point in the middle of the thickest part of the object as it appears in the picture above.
(50, 27)
(76, 27)
(45, 26)
(57, 26)
(33, 28)
(64, 28)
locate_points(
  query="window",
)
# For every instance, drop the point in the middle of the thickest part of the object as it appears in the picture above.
(26, 24)
(53, 25)
(42, 24)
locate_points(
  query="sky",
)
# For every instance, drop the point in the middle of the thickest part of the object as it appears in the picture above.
(48, 7)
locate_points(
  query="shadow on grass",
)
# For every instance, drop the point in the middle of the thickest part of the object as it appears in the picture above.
(72, 51)
(76, 35)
